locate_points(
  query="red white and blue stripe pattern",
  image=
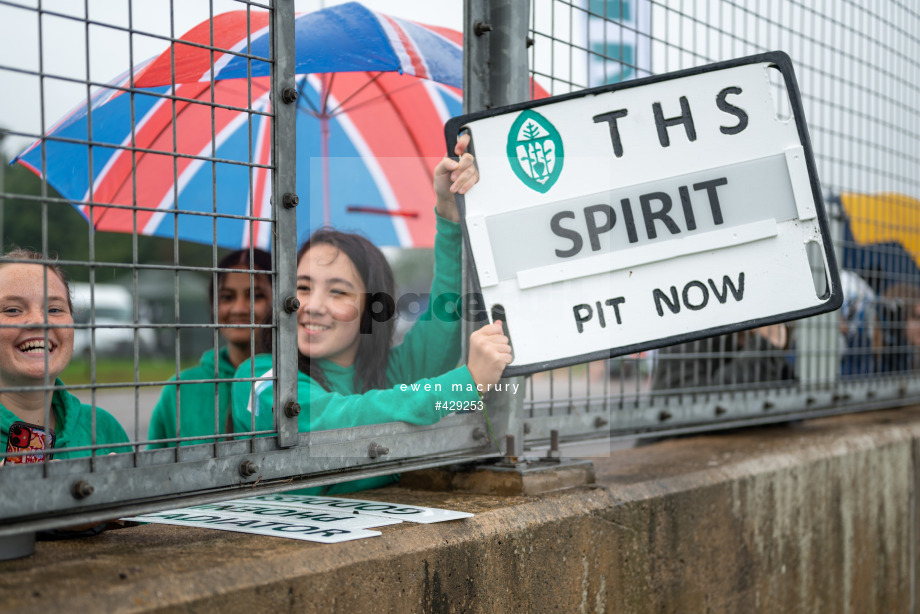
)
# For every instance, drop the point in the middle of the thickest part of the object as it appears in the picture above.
(135, 169)
(382, 152)
(343, 38)
(186, 167)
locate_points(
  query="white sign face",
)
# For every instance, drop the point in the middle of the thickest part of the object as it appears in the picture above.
(406, 513)
(275, 511)
(266, 523)
(327, 520)
(648, 213)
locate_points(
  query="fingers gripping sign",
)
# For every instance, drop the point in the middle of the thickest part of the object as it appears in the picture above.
(454, 177)
(490, 349)
(490, 352)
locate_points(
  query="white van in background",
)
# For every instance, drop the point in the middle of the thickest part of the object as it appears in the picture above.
(113, 307)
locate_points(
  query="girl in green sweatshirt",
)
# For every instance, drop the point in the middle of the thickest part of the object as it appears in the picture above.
(36, 344)
(198, 405)
(348, 373)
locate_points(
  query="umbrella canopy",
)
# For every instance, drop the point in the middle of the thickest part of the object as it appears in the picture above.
(343, 38)
(189, 157)
(882, 238)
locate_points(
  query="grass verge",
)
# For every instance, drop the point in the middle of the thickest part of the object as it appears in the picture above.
(115, 370)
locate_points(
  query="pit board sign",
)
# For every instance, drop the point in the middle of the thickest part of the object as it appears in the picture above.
(648, 213)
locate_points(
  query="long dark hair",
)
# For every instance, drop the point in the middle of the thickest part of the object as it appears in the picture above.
(377, 319)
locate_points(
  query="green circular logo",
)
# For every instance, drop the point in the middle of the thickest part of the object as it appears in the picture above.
(535, 151)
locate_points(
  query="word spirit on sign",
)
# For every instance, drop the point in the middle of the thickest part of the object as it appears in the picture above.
(648, 213)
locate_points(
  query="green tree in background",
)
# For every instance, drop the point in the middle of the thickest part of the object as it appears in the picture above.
(25, 214)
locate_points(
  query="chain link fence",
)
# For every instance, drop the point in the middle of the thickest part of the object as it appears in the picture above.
(857, 71)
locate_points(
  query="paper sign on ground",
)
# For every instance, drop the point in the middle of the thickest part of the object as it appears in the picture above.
(277, 511)
(407, 513)
(306, 530)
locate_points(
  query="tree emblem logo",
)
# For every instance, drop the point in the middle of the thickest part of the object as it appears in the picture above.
(535, 151)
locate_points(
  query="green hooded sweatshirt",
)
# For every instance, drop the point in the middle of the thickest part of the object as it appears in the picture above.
(421, 371)
(197, 410)
(74, 426)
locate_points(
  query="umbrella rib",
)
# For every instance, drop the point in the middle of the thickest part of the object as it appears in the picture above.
(373, 100)
(418, 148)
(301, 96)
(405, 121)
(342, 103)
(327, 86)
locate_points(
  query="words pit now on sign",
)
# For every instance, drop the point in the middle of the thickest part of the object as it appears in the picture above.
(648, 213)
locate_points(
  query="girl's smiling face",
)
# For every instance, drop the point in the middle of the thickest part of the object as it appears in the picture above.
(24, 342)
(331, 295)
(237, 302)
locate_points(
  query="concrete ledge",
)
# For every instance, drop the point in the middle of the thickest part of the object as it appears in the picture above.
(524, 478)
(812, 517)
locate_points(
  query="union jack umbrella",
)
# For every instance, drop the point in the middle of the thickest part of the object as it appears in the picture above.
(180, 146)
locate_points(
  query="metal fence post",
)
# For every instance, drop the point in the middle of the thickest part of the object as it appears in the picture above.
(495, 73)
(284, 200)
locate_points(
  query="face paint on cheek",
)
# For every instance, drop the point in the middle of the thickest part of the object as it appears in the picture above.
(347, 312)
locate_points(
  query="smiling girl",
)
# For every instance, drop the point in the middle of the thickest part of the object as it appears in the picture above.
(348, 373)
(36, 343)
(188, 409)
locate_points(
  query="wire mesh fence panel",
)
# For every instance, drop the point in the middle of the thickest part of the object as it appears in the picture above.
(166, 162)
(138, 189)
(170, 159)
(857, 72)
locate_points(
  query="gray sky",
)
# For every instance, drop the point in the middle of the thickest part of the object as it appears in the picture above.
(71, 49)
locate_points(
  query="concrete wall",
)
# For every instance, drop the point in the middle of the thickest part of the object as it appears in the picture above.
(812, 517)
